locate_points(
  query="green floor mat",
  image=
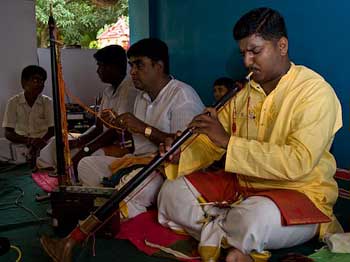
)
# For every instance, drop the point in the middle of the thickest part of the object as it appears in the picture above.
(17, 199)
(324, 255)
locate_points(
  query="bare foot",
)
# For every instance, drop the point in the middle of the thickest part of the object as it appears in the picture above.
(235, 255)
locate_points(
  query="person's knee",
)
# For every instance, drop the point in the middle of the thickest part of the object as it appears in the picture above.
(83, 167)
(148, 191)
(155, 186)
(250, 223)
(82, 163)
(168, 191)
(259, 211)
(164, 191)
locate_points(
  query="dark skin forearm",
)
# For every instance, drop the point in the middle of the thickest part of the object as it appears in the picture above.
(11, 135)
(106, 138)
(34, 143)
(88, 136)
(50, 133)
(209, 125)
(135, 125)
(158, 136)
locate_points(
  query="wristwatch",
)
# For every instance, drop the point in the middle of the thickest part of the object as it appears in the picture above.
(148, 131)
(86, 149)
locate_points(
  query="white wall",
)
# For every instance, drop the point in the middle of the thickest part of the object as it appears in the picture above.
(17, 46)
(79, 73)
(18, 49)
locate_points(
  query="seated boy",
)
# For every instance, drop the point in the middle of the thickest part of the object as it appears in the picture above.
(28, 119)
(221, 86)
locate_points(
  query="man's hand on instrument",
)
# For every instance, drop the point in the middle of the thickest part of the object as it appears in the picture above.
(208, 124)
(109, 116)
(130, 122)
(75, 143)
(37, 143)
(164, 147)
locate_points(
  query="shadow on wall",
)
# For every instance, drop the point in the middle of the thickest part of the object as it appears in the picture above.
(79, 72)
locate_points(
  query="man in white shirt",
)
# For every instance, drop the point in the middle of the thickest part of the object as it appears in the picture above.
(163, 107)
(118, 98)
(28, 119)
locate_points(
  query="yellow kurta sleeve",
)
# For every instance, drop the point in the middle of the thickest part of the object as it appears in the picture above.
(199, 151)
(199, 154)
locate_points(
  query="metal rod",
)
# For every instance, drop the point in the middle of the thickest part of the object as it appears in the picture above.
(56, 103)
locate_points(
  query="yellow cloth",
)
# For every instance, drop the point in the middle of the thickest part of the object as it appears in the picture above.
(129, 160)
(281, 140)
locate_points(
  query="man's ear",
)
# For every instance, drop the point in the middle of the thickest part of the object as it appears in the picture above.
(283, 45)
(160, 65)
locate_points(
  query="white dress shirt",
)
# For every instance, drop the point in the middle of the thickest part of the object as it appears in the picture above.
(172, 110)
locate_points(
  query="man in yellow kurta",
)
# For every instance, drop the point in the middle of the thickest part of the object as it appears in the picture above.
(276, 133)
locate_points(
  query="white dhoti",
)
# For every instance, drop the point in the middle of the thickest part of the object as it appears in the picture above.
(92, 169)
(47, 157)
(254, 224)
(13, 153)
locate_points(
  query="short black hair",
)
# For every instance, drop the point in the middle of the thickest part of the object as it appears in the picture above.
(32, 70)
(264, 21)
(153, 48)
(224, 81)
(112, 55)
